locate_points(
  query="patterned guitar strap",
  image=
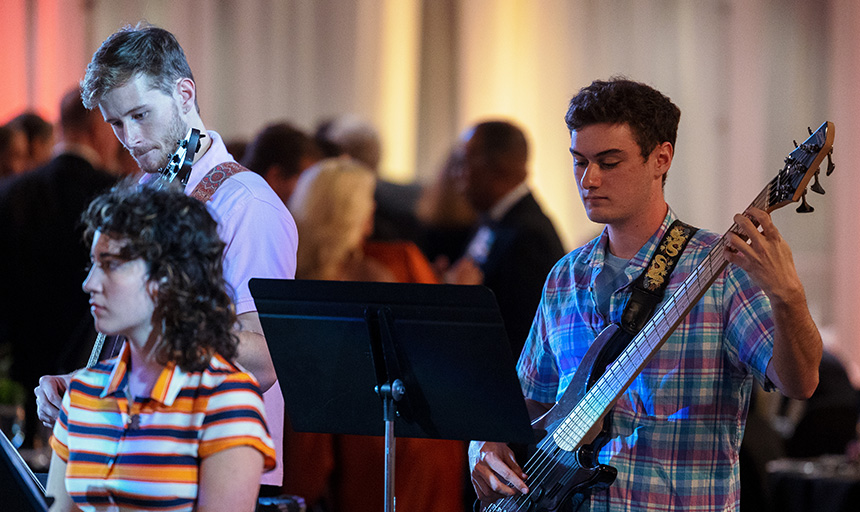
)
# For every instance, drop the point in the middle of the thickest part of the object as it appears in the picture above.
(648, 290)
(202, 192)
(214, 178)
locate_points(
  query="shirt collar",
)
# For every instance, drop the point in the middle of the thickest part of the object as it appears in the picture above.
(642, 257)
(507, 202)
(166, 388)
(216, 154)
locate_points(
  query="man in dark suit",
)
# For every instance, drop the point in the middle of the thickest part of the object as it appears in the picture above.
(515, 245)
(44, 313)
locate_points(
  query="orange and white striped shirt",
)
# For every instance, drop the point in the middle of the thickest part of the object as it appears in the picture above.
(151, 462)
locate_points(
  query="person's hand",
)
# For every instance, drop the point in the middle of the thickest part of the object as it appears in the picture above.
(495, 474)
(766, 257)
(49, 397)
(464, 271)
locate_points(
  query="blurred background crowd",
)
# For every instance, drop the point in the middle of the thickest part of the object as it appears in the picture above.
(392, 130)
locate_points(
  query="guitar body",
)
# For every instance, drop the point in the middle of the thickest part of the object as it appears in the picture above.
(567, 483)
(570, 475)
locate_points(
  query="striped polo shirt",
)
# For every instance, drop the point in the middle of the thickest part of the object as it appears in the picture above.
(151, 463)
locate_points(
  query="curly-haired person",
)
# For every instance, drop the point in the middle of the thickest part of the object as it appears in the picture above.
(172, 422)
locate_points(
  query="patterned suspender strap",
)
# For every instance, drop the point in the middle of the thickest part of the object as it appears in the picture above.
(214, 178)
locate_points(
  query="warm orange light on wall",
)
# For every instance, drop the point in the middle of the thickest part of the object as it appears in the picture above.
(41, 55)
(508, 71)
(13, 55)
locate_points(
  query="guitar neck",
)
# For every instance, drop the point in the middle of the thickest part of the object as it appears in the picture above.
(620, 374)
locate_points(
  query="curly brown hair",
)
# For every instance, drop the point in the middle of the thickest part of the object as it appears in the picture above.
(177, 239)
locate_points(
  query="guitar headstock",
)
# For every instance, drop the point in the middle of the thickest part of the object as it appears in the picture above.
(180, 162)
(801, 166)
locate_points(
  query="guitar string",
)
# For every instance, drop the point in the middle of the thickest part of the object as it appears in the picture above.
(545, 461)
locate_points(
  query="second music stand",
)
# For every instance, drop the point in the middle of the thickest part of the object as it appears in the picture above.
(392, 359)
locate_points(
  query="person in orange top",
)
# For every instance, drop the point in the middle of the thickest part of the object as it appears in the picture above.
(333, 207)
(172, 423)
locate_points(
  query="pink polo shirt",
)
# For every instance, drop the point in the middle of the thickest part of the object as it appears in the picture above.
(261, 240)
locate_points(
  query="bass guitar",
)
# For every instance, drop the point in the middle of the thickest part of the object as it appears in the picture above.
(178, 166)
(564, 464)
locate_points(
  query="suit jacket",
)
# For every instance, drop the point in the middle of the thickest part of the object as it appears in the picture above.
(44, 313)
(524, 248)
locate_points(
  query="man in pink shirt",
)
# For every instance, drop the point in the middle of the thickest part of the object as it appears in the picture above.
(141, 82)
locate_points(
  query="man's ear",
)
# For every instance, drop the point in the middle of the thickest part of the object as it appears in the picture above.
(186, 91)
(663, 155)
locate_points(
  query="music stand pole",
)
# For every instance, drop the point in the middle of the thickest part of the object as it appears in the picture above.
(390, 393)
(439, 352)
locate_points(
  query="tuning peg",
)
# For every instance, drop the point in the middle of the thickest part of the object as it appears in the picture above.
(816, 187)
(795, 143)
(830, 165)
(804, 206)
(809, 130)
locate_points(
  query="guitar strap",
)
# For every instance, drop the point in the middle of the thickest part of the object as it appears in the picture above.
(108, 346)
(648, 290)
(650, 286)
(214, 178)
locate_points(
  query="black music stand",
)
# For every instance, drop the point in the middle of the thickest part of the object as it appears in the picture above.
(392, 359)
(20, 490)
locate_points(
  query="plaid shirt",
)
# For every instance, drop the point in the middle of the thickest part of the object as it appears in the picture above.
(677, 430)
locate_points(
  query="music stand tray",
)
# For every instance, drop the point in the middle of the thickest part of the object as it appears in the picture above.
(344, 351)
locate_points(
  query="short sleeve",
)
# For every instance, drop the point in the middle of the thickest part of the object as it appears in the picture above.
(235, 417)
(749, 325)
(260, 235)
(60, 438)
(537, 368)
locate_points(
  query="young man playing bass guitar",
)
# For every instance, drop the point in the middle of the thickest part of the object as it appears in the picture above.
(675, 433)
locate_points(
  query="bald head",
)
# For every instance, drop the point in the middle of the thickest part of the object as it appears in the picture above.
(496, 153)
(503, 143)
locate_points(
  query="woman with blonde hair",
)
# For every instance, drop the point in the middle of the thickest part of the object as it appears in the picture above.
(333, 208)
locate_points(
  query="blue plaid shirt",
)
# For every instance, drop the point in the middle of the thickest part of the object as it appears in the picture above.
(677, 430)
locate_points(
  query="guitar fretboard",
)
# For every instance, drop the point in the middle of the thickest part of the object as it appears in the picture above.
(620, 374)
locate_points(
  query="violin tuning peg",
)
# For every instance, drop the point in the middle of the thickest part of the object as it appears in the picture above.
(804, 206)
